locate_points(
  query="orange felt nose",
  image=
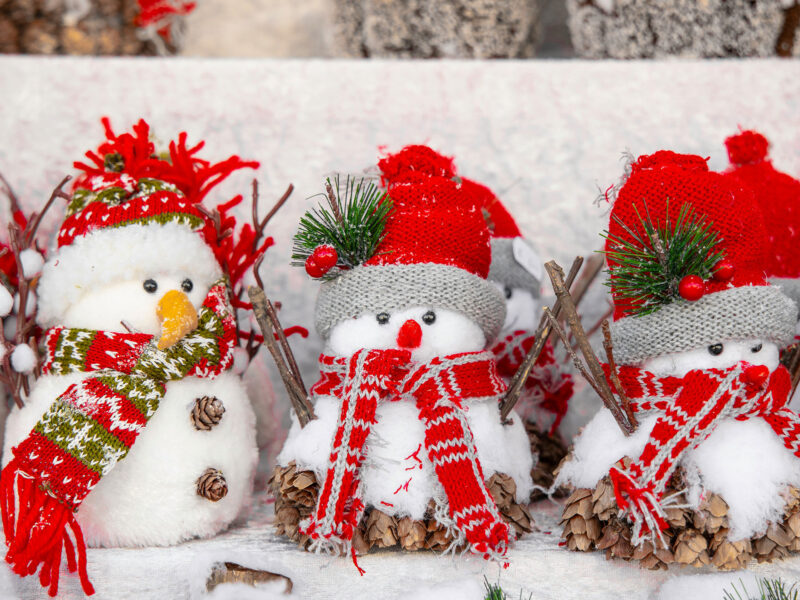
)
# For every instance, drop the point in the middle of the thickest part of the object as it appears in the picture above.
(756, 374)
(410, 334)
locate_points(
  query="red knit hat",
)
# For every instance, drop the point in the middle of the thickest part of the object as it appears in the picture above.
(728, 300)
(435, 251)
(515, 263)
(129, 209)
(778, 196)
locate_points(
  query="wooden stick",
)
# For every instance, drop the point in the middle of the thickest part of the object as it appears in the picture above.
(299, 400)
(794, 368)
(31, 230)
(287, 350)
(333, 202)
(542, 334)
(568, 306)
(281, 201)
(608, 346)
(591, 270)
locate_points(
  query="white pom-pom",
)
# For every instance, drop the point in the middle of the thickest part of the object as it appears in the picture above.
(6, 301)
(240, 360)
(23, 359)
(32, 263)
(605, 5)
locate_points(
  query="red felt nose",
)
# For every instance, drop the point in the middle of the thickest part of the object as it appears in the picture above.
(756, 374)
(410, 334)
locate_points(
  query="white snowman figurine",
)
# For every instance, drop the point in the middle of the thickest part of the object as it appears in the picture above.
(137, 422)
(698, 357)
(408, 392)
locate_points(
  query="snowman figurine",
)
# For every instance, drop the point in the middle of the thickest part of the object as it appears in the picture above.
(407, 406)
(137, 433)
(696, 336)
(517, 271)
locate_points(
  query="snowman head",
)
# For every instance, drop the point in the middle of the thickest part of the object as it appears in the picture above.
(134, 250)
(695, 295)
(516, 269)
(424, 288)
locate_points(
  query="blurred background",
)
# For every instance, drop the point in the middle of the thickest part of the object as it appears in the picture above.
(623, 29)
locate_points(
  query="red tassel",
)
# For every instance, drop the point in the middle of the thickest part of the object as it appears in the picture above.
(37, 528)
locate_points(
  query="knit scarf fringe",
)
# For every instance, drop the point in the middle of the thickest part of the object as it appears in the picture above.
(48, 478)
(373, 376)
(689, 410)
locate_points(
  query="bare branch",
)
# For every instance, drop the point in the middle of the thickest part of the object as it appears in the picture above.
(281, 201)
(333, 202)
(30, 231)
(608, 346)
(591, 269)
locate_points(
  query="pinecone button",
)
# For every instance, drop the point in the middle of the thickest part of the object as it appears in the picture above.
(207, 412)
(211, 485)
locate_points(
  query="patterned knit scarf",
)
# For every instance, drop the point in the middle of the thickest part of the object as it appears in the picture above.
(547, 386)
(438, 389)
(689, 409)
(92, 426)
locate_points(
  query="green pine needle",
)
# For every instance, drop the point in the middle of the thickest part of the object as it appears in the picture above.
(362, 209)
(493, 590)
(648, 268)
(768, 589)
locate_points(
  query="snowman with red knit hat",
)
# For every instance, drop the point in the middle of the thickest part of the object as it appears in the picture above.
(517, 271)
(778, 197)
(696, 336)
(108, 449)
(407, 405)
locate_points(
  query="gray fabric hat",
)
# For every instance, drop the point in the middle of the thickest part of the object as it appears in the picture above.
(377, 288)
(741, 313)
(507, 270)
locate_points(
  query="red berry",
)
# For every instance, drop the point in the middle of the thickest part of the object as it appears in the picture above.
(313, 269)
(325, 256)
(691, 288)
(723, 270)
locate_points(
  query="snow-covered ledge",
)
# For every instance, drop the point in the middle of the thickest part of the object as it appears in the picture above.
(547, 136)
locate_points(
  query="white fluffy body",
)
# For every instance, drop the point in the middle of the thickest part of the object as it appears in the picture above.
(6, 301)
(392, 478)
(32, 263)
(150, 496)
(745, 462)
(23, 359)
(81, 282)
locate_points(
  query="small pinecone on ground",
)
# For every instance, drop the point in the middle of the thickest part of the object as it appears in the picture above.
(550, 450)
(296, 495)
(206, 413)
(105, 27)
(590, 520)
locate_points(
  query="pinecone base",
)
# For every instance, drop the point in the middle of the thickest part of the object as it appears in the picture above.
(296, 495)
(551, 451)
(699, 538)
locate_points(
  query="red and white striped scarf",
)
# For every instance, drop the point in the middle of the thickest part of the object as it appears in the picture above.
(689, 409)
(548, 386)
(438, 389)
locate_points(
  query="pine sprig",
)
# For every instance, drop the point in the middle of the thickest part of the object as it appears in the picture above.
(352, 223)
(647, 268)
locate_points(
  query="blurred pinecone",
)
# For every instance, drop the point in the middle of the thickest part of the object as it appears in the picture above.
(550, 450)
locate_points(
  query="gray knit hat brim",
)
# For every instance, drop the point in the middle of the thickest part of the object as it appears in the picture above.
(506, 271)
(789, 286)
(379, 288)
(742, 313)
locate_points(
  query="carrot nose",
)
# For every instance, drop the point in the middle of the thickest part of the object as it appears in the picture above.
(410, 334)
(178, 317)
(756, 375)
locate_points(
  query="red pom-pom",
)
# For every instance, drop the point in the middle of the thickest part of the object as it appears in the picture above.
(691, 288)
(668, 159)
(723, 270)
(416, 158)
(325, 256)
(747, 148)
(756, 375)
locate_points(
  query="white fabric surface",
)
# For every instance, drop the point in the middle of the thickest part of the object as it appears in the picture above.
(547, 136)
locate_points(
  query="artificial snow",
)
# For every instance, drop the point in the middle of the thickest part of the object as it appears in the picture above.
(6, 301)
(23, 359)
(32, 263)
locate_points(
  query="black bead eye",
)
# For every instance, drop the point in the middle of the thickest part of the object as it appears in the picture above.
(429, 318)
(756, 348)
(382, 318)
(715, 349)
(187, 285)
(507, 291)
(150, 286)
